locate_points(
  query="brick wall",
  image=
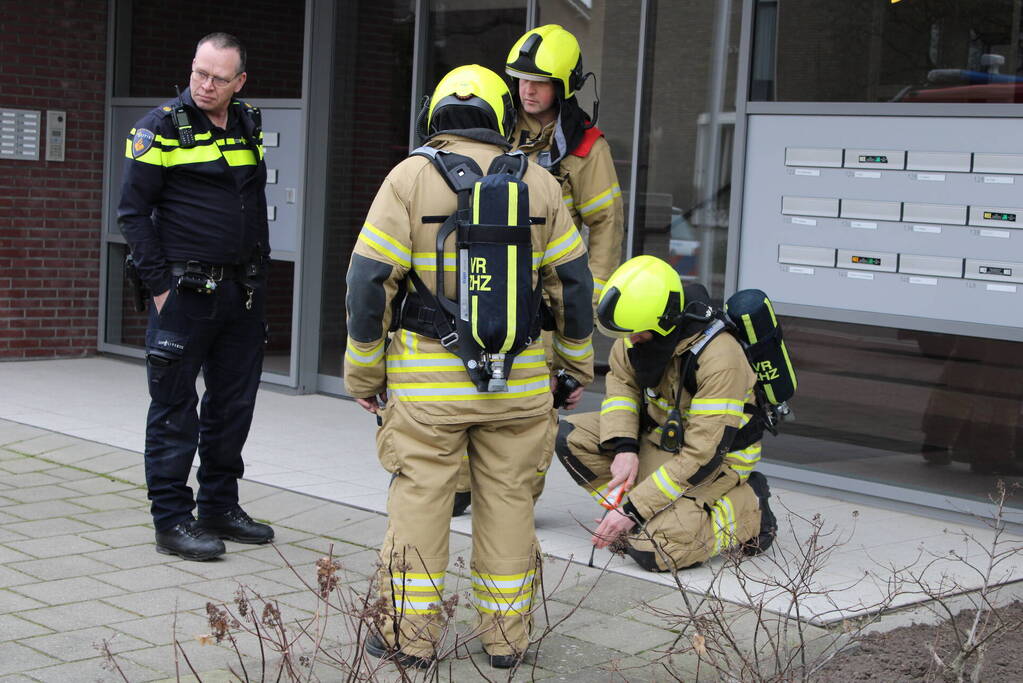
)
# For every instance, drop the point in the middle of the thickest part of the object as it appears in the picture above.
(52, 56)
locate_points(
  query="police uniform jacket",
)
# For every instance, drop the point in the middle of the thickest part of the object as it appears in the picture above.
(711, 417)
(417, 369)
(204, 203)
(589, 189)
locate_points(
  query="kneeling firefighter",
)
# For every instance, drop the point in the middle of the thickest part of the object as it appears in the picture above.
(444, 292)
(672, 451)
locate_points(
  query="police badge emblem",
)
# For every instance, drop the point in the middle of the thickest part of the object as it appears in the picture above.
(141, 143)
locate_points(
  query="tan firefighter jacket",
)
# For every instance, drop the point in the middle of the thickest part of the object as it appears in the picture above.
(724, 385)
(417, 369)
(590, 190)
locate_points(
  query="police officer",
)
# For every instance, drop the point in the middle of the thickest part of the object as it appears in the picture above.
(547, 71)
(193, 211)
(672, 451)
(432, 411)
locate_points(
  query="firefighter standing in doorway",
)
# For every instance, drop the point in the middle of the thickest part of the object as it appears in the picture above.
(672, 451)
(553, 130)
(430, 410)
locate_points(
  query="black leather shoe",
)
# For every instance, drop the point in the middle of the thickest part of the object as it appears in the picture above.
(504, 661)
(187, 540)
(237, 526)
(462, 500)
(768, 522)
(376, 647)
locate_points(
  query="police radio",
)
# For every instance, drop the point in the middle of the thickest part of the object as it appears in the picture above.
(185, 133)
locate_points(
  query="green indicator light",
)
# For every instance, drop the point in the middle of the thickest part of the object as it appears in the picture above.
(873, 159)
(999, 216)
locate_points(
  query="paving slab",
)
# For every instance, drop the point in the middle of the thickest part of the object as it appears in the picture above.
(93, 670)
(55, 545)
(13, 627)
(43, 443)
(45, 510)
(72, 646)
(78, 451)
(113, 519)
(9, 578)
(63, 591)
(61, 567)
(28, 479)
(77, 615)
(158, 602)
(44, 528)
(13, 432)
(147, 578)
(24, 464)
(16, 658)
(94, 485)
(123, 537)
(16, 602)
(111, 462)
(161, 629)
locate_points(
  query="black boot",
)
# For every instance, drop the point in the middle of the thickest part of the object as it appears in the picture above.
(768, 522)
(237, 526)
(376, 647)
(504, 661)
(189, 541)
(462, 500)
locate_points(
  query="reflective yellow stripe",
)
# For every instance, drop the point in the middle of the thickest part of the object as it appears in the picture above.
(613, 403)
(369, 359)
(448, 362)
(723, 520)
(193, 155)
(466, 391)
(572, 351)
(427, 261)
(511, 300)
(598, 285)
(475, 317)
(240, 157)
(664, 482)
(513, 203)
(561, 246)
(602, 200)
(503, 583)
(385, 245)
(153, 155)
(751, 334)
(417, 593)
(569, 201)
(476, 202)
(715, 406)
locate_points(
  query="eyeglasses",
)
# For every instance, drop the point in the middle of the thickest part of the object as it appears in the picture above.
(217, 81)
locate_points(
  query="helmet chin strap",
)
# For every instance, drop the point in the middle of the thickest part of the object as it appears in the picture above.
(596, 97)
(421, 128)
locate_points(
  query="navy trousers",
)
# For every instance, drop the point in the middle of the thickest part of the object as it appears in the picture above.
(214, 333)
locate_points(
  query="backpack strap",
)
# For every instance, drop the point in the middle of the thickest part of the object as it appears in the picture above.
(513, 163)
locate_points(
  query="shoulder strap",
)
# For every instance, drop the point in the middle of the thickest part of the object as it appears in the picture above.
(514, 164)
(459, 171)
(689, 359)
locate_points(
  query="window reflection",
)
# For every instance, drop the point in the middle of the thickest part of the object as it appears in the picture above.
(879, 51)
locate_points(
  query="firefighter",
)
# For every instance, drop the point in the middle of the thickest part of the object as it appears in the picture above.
(429, 410)
(674, 430)
(193, 211)
(547, 71)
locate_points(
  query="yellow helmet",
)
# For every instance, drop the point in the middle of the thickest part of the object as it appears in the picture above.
(644, 293)
(548, 53)
(475, 86)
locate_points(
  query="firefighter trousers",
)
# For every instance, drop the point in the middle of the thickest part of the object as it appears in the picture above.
(717, 514)
(505, 561)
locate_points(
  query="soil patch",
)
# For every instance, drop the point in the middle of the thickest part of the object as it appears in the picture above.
(904, 654)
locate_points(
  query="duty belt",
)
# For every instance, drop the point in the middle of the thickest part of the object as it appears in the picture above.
(217, 272)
